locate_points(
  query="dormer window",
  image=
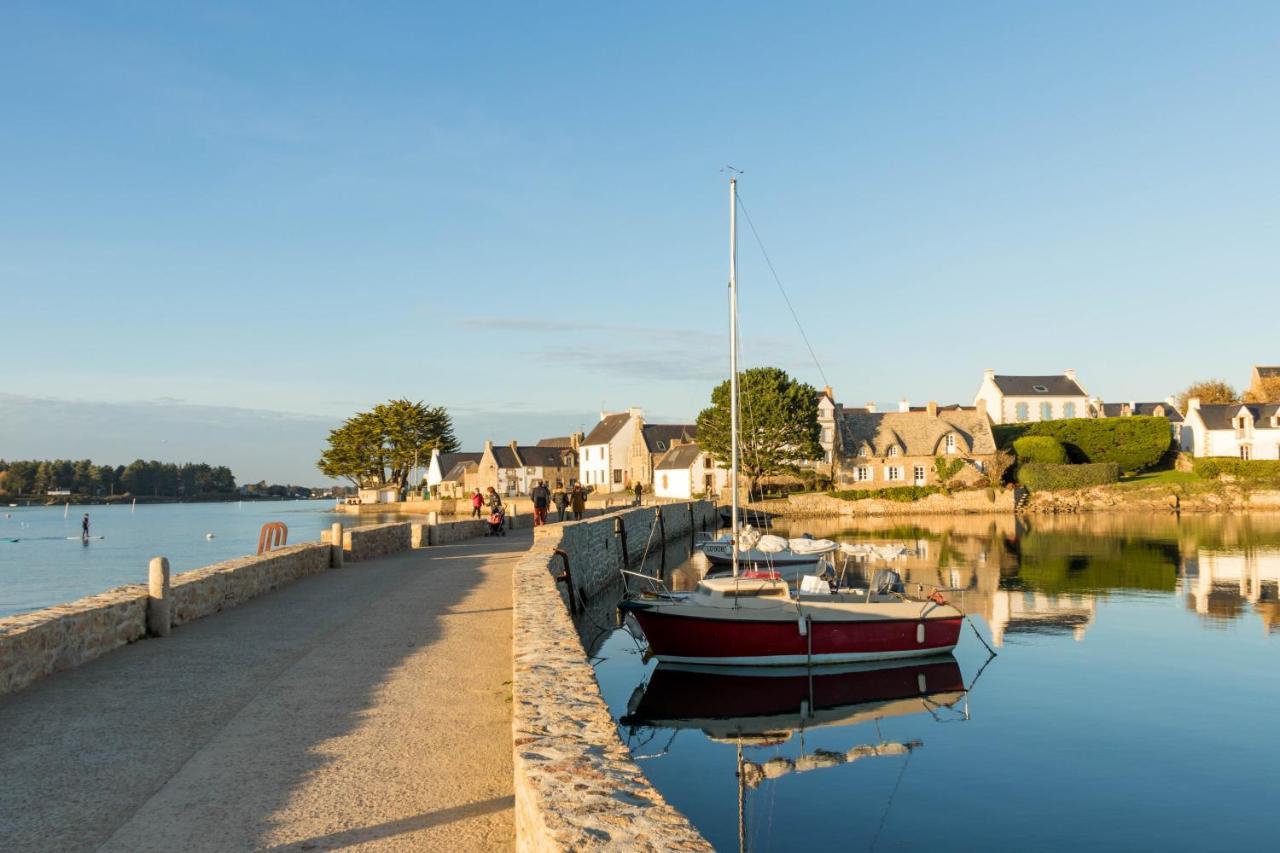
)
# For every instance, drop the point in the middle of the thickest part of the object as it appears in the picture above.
(893, 451)
(659, 445)
(1040, 389)
(862, 451)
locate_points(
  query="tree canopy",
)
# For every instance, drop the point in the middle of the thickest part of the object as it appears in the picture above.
(1267, 391)
(778, 424)
(140, 477)
(378, 447)
(1209, 392)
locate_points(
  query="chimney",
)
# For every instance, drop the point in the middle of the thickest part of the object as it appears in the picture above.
(488, 446)
(932, 408)
(1193, 404)
(575, 440)
(903, 405)
(1133, 408)
(826, 389)
(989, 375)
(871, 407)
(635, 412)
(1070, 374)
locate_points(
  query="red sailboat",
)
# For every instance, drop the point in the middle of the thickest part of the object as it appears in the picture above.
(758, 619)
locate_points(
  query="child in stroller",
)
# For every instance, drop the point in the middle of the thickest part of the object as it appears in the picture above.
(497, 519)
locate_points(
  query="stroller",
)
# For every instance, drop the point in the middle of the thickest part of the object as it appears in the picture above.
(497, 519)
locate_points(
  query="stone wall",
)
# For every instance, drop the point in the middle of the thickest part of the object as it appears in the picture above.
(576, 786)
(33, 645)
(448, 532)
(204, 591)
(375, 540)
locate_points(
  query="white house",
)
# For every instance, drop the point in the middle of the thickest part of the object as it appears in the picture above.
(1242, 430)
(1020, 399)
(687, 470)
(603, 455)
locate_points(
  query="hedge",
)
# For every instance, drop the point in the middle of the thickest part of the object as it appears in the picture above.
(902, 494)
(1211, 467)
(1039, 448)
(1040, 477)
(1134, 443)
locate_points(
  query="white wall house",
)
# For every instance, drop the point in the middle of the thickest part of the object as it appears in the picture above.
(1245, 431)
(603, 455)
(687, 470)
(1022, 399)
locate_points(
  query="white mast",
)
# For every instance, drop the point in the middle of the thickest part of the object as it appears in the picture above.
(733, 363)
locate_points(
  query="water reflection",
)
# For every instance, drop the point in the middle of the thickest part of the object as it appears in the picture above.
(1046, 575)
(1129, 652)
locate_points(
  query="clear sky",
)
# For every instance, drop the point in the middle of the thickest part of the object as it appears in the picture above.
(517, 209)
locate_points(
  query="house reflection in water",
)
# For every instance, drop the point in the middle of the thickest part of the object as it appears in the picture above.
(1036, 613)
(1221, 584)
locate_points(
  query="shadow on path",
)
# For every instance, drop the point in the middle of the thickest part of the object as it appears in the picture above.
(341, 704)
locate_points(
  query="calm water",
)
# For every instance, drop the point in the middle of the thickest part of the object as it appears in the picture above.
(46, 567)
(1132, 705)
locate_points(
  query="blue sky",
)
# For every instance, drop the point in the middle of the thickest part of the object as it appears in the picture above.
(516, 210)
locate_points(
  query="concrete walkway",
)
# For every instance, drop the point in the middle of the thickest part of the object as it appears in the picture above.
(365, 708)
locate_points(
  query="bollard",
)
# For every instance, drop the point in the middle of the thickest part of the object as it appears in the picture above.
(335, 545)
(158, 602)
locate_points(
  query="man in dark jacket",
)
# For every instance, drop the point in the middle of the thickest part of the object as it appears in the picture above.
(541, 502)
(561, 499)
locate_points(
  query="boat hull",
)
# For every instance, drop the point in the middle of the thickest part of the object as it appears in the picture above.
(745, 641)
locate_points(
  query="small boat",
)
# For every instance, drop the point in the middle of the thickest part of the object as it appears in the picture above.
(766, 551)
(754, 617)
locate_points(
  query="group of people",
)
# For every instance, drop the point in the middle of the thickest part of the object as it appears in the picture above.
(572, 499)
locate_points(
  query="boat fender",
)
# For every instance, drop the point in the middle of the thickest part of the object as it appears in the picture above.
(804, 626)
(937, 597)
(921, 683)
(920, 633)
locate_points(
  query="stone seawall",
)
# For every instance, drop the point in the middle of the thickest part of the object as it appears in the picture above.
(576, 786)
(33, 645)
(204, 591)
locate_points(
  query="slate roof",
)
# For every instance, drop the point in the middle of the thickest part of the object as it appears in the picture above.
(609, 426)
(1267, 372)
(659, 438)
(1116, 410)
(459, 470)
(915, 433)
(950, 407)
(558, 441)
(448, 460)
(679, 457)
(1025, 386)
(533, 457)
(1219, 415)
(546, 457)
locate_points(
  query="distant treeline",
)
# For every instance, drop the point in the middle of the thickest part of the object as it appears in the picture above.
(159, 479)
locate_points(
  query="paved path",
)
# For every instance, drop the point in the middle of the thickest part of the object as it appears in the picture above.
(367, 708)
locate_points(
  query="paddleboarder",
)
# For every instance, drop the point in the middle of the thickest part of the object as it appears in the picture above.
(84, 527)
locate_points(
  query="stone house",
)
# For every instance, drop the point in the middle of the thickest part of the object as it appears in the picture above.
(442, 463)
(1264, 384)
(1242, 430)
(648, 444)
(513, 470)
(1021, 399)
(887, 449)
(686, 471)
(603, 455)
(379, 495)
(460, 480)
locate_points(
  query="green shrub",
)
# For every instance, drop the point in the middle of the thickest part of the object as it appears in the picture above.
(1039, 448)
(1006, 434)
(1134, 443)
(1212, 467)
(1041, 477)
(946, 469)
(902, 494)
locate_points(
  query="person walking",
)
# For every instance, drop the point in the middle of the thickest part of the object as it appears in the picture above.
(561, 499)
(541, 496)
(639, 491)
(477, 503)
(578, 500)
(497, 515)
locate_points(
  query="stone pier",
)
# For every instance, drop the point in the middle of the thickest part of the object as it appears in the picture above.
(365, 708)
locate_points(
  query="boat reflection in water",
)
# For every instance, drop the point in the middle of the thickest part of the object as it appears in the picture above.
(765, 706)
